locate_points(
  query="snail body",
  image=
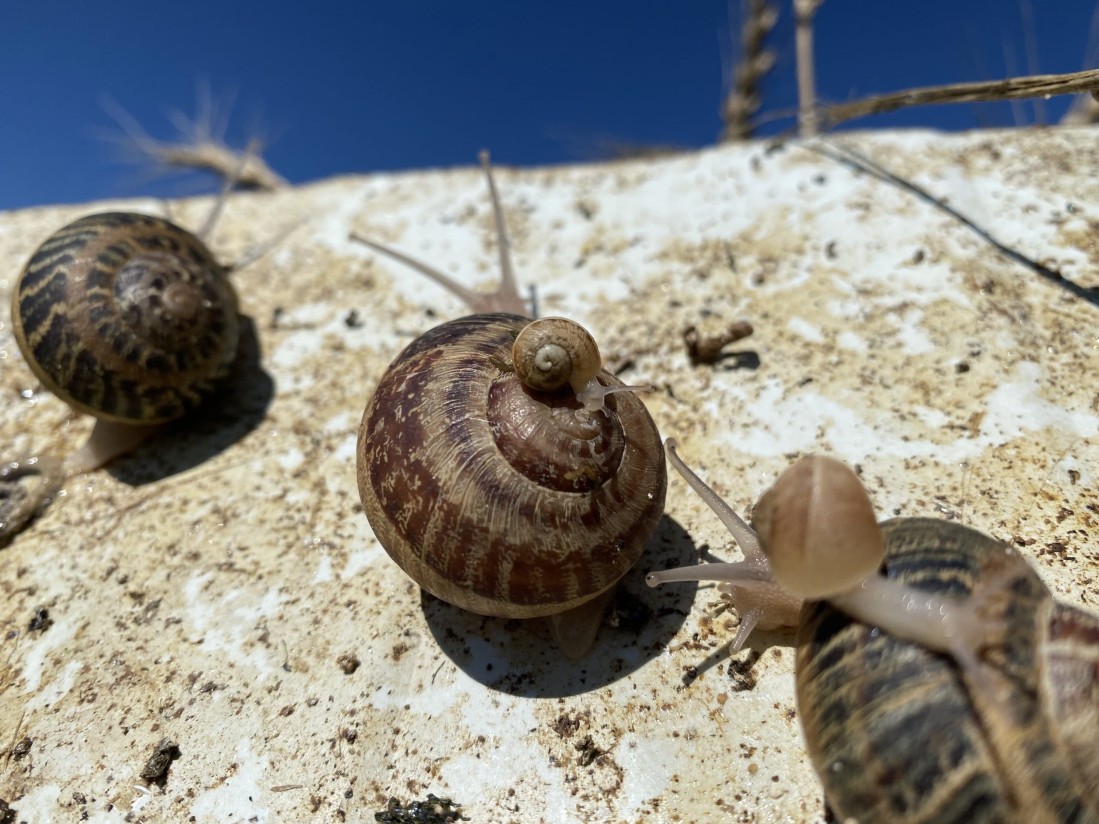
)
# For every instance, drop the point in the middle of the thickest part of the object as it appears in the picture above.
(125, 317)
(944, 685)
(503, 469)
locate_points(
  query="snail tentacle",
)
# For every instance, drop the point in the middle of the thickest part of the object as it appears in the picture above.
(504, 298)
(760, 602)
(507, 285)
(250, 153)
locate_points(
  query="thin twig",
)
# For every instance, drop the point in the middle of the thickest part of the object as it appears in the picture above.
(14, 737)
(841, 153)
(1040, 85)
(757, 21)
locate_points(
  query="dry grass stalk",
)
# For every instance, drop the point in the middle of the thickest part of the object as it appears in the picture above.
(200, 148)
(220, 160)
(808, 114)
(1013, 88)
(757, 21)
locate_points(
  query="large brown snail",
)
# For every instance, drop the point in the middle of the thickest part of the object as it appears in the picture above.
(937, 678)
(503, 469)
(128, 318)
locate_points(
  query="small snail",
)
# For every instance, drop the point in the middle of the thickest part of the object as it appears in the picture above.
(937, 677)
(125, 317)
(504, 470)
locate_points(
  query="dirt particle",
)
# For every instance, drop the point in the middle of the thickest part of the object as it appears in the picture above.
(567, 725)
(588, 752)
(348, 663)
(706, 349)
(41, 620)
(741, 672)
(21, 750)
(433, 810)
(155, 770)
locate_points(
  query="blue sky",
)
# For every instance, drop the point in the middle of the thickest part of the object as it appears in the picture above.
(359, 87)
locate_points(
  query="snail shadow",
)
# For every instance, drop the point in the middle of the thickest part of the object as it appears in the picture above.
(226, 417)
(741, 359)
(520, 657)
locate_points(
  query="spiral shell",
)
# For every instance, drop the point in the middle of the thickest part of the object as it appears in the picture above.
(496, 497)
(551, 352)
(899, 733)
(126, 317)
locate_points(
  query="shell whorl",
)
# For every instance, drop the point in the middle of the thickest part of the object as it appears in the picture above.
(126, 317)
(468, 505)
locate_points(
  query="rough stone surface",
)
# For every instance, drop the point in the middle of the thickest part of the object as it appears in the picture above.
(220, 589)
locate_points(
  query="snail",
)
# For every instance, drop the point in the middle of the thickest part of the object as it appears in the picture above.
(503, 469)
(125, 317)
(937, 677)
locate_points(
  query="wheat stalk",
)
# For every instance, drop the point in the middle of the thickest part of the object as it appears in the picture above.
(200, 147)
(757, 21)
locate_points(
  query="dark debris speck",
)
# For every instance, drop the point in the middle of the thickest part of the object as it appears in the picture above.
(348, 662)
(41, 620)
(21, 750)
(628, 612)
(155, 770)
(588, 751)
(433, 810)
(741, 674)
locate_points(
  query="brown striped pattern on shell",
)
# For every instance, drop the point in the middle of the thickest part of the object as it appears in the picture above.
(126, 317)
(898, 733)
(469, 526)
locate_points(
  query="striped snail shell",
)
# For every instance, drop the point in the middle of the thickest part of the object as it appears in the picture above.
(497, 497)
(126, 317)
(900, 733)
